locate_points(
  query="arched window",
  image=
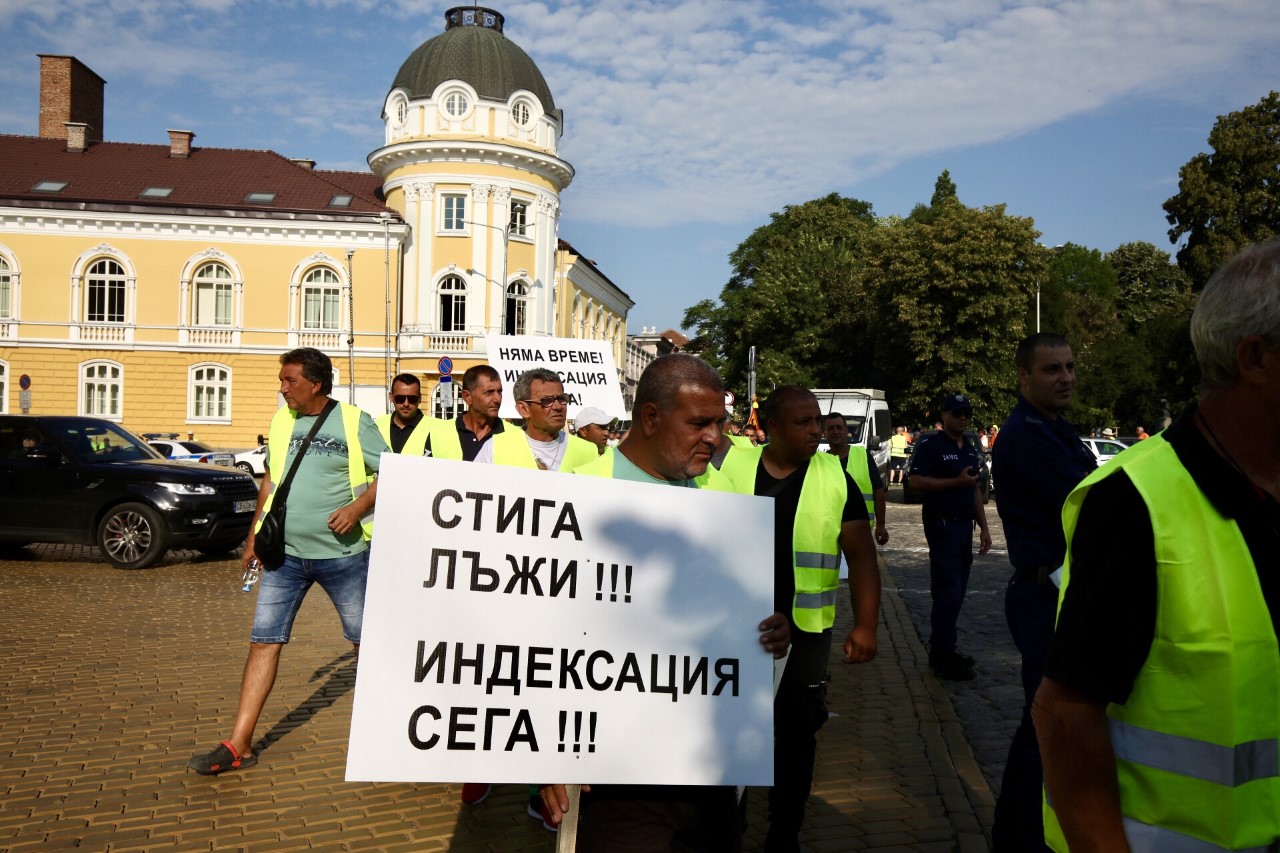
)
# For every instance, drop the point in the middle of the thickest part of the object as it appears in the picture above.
(438, 407)
(517, 308)
(6, 290)
(321, 300)
(102, 387)
(213, 296)
(105, 292)
(209, 393)
(453, 304)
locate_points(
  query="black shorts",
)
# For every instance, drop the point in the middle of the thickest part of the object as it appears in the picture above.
(897, 463)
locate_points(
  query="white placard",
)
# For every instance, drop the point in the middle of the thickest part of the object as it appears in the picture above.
(598, 589)
(585, 367)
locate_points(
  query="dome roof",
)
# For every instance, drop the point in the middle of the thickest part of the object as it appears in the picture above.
(473, 49)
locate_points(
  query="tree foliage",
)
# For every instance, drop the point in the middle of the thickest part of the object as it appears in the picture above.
(1230, 197)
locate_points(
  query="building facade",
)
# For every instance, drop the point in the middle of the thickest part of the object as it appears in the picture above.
(157, 285)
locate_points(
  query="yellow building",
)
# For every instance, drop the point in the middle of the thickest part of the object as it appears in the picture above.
(156, 285)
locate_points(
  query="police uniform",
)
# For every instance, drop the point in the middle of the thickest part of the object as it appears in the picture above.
(948, 529)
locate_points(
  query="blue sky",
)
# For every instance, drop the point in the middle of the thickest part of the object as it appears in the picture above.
(689, 122)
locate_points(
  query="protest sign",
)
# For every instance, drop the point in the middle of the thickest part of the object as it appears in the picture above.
(585, 367)
(532, 626)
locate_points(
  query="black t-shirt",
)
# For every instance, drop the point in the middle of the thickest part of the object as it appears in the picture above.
(1108, 614)
(786, 502)
(470, 444)
(400, 434)
(937, 455)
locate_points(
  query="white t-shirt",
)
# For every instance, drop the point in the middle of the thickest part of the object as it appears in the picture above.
(549, 453)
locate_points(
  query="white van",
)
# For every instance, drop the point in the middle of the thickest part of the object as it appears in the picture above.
(866, 412)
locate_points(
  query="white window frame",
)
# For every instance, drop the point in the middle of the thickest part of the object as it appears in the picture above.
(8, 287)
(221, 387)
(456, 104)
(108, 281)
(438, 410)
(453, 213)
(516, 310)
(519, 223)
(323, 288)
(215, 284)
(457, 289)
(115, 379)
(4, 387)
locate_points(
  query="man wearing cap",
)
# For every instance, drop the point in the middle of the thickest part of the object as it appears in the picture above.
(944, 470)
(405, 429)
(592, 425)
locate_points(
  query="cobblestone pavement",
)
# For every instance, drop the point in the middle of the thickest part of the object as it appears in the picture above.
(990, 706)
(112, 679)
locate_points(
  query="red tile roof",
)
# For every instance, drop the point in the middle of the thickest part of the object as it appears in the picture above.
(116, 173)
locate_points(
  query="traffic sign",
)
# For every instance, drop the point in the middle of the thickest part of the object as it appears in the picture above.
(445, 366)
(24, 382)
(728, 399)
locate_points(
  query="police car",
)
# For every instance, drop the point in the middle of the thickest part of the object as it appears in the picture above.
(191, 451)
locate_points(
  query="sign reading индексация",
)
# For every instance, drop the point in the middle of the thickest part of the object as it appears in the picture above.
(525, 625)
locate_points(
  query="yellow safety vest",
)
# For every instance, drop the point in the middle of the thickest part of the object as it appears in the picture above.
(602, 466)
(815, 538)
(281, 433)
(415, 444)
(511, 447)
(445, 443)
(1197, 743)
(856, 463)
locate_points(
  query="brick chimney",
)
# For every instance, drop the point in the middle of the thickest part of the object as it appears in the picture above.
(76, 133)
(69, 92)
(180, 143)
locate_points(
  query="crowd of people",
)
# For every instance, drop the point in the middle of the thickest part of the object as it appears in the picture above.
(1150, 662)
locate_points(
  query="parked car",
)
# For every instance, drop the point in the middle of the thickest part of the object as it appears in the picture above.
(985, 486)
(191, 451)
(89, 481)
(1103, 448)
(252, 461)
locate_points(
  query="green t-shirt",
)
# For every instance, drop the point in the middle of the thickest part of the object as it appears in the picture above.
(323, 485)
(625, 469)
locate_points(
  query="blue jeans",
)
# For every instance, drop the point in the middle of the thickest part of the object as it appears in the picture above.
(281, 592)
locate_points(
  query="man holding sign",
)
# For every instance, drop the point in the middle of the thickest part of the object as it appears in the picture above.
(678, 413)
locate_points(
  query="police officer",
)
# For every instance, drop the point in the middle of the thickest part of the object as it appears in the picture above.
(944, 470)
(405, 429)
(1038, 463)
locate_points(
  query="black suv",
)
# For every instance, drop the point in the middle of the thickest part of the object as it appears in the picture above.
(90, 481)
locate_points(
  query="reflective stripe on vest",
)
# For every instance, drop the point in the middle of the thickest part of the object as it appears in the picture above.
(1197, 758)
(859, 469)
(815, 539)
(280, 436)
(415, 444)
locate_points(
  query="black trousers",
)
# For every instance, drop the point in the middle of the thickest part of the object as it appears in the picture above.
(799, 710)
(1030, 609)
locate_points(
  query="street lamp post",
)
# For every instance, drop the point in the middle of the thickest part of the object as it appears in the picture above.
(502, 283)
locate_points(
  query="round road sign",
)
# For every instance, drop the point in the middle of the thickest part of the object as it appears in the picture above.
(445, 366)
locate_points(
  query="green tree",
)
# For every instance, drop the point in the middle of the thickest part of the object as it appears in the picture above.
(787, 276)
(1229, 198)
(953, 284)
(1148, 284)
(1078, 296)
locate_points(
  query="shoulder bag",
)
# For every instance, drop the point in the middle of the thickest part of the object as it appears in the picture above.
(268, 542)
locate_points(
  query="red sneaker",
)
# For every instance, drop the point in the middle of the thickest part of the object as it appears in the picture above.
(474, 793)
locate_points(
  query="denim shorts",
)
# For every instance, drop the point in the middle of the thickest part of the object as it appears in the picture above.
(280, 594)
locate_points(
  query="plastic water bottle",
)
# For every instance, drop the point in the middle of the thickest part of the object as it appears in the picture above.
(251, 574)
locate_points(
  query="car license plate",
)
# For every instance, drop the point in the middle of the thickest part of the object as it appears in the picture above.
(245, 506)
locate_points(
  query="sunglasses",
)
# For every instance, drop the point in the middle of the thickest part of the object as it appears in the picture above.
(401, 399)
(548, 402)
